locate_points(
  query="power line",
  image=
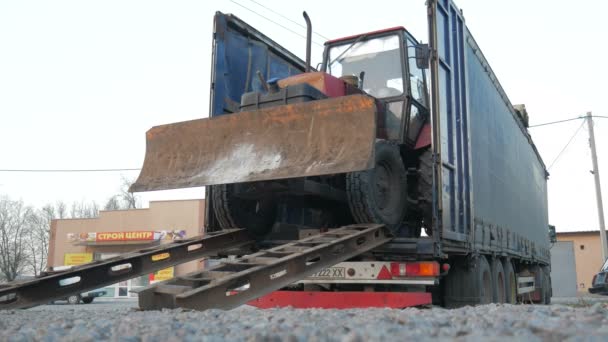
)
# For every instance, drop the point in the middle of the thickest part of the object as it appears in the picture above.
(566, 120)
(285, 17)
(67, 170)
(567, 144)
(555, 122)
(274, 22)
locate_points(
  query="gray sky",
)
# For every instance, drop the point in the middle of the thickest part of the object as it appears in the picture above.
(81, 81)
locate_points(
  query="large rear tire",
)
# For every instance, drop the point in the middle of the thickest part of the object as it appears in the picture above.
(379, 195)
(255, 215)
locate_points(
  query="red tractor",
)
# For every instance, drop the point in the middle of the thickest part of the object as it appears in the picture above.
(316, 150)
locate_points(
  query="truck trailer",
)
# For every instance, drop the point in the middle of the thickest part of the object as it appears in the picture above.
(397, 174)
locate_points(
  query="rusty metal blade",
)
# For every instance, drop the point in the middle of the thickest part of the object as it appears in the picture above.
(296, 140)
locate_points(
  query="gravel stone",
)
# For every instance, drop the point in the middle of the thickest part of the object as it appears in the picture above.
(123, 322)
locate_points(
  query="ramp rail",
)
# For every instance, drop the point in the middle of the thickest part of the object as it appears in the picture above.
(224, 286)
(101, 273)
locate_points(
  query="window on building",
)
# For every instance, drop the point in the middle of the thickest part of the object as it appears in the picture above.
(582, 247)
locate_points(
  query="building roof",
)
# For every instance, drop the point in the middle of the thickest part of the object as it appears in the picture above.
(579, 232)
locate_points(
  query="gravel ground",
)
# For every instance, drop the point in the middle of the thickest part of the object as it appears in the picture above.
(123, 322)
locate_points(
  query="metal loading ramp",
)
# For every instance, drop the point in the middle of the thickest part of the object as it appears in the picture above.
(231, 284)
(224, 286)
(42, 290)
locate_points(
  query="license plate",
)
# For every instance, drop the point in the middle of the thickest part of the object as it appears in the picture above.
(330, 273)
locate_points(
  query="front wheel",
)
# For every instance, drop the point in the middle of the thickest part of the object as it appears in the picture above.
(379, 195)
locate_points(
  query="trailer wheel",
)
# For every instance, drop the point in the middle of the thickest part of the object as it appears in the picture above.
(542, 282)
(257, 216)
(510, 282)
(499, 292)
(485, 273)
(469, 282)
(379, 195)
(546, 286)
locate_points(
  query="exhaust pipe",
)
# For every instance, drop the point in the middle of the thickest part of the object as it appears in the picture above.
(308, 40)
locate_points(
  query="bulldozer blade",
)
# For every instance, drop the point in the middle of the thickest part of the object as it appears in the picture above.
(296, 140)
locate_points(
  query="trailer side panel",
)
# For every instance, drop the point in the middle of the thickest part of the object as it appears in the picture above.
(508, 176)
(492, 188)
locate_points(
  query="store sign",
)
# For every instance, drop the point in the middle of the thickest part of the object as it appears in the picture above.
(82, 237)
(147, 235)
(125, 236)
(74, 259)
(164, 274)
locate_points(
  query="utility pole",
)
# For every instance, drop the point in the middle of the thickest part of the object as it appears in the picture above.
(598, 189)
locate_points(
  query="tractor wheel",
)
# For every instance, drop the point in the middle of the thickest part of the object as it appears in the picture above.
(379, 195)
(425, 189)
(255, 215)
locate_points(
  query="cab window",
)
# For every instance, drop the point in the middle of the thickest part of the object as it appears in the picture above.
(377, 59)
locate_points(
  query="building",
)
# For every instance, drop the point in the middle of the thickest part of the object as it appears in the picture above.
(587, 255)
(563, 270)
(78, 241)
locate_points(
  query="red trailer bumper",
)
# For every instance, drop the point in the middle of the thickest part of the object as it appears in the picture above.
(341, 300)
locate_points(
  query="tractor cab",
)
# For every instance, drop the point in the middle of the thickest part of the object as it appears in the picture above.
(384, 65)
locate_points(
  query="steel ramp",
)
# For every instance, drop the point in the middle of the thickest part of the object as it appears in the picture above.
(101, 273)
(234, 283)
